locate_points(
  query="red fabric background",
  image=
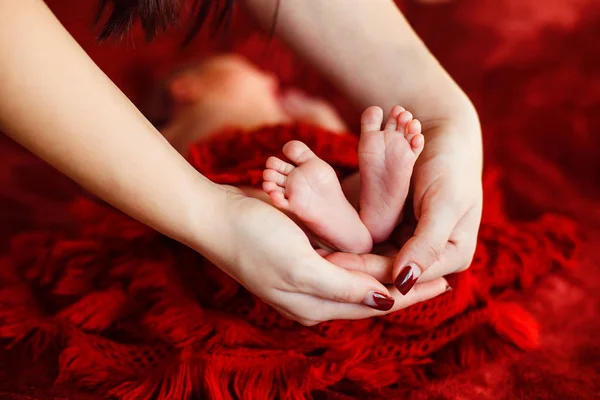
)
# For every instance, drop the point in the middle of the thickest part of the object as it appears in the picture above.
(532, 71)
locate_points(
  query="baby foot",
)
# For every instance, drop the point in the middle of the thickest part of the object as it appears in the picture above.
(311, 190)
(386, 160)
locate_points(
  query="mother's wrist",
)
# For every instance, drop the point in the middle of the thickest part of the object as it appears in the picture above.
(459, 121)
(207, 226)
(456, 135)
(452, 107)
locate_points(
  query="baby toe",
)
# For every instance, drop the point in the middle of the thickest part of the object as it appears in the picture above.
(269, 186)
(413, 128)
(404, 119)
(371, 119)
(270, 175)
(392, 122)
(278, 199)
(417, 143)
(298, 152)
(279, 165)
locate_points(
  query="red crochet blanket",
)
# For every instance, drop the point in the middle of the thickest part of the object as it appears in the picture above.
(136, 316)
(142, 298)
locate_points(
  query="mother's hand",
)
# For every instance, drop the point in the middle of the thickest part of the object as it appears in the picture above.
(387, 64)
(447, 200)
(447, 204)
(271, 256)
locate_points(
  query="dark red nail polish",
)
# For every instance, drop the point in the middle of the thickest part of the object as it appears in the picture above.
(382, 302)
(405, 280)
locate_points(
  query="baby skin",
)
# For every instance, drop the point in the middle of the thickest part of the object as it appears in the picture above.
(229, 91)
(308, 187)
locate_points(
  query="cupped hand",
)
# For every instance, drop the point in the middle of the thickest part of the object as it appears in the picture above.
(272, 257)
(438, 236)
(447, 200)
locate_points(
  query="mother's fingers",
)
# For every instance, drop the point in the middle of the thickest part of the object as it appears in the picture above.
(426, 246)
(421, 292)
(320, 278)
(447, 263)
(379, 267)
(458, 253)
(310, 310)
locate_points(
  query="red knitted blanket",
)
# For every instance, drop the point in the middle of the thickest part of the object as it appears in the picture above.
(136, 316)
(122, 310)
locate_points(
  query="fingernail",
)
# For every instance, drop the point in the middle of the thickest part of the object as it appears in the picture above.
(448, 288)
(407, 279)
(380, 301)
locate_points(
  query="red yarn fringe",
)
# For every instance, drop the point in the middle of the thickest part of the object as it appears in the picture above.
(137, 316)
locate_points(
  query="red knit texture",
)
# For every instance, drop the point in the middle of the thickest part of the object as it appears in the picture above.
(136, 316)
(115, 309)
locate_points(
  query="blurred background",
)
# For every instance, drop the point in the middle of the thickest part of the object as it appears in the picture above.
(531, 67)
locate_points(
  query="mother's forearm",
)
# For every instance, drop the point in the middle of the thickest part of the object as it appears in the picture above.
(58, 104)
(369, 50)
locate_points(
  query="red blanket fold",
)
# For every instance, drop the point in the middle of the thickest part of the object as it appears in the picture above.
(136, 316)
(122, 310)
